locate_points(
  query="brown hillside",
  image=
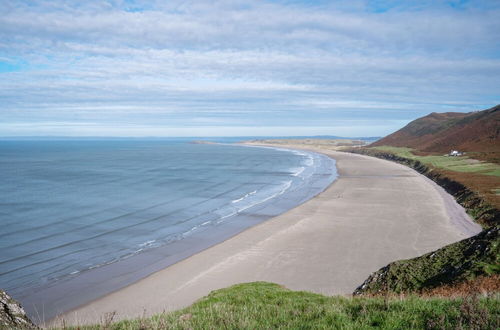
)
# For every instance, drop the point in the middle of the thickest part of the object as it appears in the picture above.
(477, 131)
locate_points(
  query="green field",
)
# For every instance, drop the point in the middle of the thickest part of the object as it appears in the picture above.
(457, 164)
(263, 305)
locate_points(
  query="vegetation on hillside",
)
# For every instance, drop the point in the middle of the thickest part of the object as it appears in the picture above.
(465, 163)
(481, 285)
(263, 305)
(454, 263)
(441, 132)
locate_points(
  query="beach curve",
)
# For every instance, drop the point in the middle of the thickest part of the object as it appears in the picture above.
(374, 213)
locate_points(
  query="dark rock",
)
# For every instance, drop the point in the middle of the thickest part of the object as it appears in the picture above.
(12, 315)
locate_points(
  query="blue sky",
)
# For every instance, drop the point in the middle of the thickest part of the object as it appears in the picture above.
(222, 68)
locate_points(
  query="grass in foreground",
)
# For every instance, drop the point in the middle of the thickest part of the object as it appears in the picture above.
(263, 305)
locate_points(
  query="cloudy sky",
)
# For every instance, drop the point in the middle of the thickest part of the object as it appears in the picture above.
(218, 68)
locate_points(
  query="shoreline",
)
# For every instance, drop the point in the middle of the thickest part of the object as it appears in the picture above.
(458, 216)
(329, 244)
(47, 301)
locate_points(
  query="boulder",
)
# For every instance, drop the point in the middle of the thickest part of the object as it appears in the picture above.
(12, 314)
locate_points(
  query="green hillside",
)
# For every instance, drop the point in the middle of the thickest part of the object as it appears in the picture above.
(452, 264)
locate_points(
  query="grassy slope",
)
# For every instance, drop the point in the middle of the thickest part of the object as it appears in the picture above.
(456, 164)
(263, 305)
(454, 263)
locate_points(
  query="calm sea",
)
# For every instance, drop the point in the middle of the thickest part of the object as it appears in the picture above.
(73, 211)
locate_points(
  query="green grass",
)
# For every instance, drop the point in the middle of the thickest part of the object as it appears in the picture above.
(457, 164)
(464, 260)
(400, 151)
(263, 305)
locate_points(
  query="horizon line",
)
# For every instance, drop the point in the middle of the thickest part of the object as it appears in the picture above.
(173, 137)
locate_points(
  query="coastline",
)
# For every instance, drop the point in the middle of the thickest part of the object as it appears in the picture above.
(293, 186)
(328, 245)
(457, 215)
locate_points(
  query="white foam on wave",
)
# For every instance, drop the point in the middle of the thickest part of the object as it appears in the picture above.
(190, 231)
(147, 243)
(309, 158)
(298, 152)
(227, 216)
(309, 161)
(246, 195)
(297, 171)
(187, 233)
(286, 186)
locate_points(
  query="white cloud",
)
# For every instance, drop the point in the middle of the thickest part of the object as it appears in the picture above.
(240, 63)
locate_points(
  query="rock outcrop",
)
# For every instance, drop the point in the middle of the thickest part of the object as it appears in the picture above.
(12, 315)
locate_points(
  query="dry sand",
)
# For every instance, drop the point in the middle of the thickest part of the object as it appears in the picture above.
(374, 213)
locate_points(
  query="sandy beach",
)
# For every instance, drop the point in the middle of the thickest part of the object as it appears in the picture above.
(374, 213)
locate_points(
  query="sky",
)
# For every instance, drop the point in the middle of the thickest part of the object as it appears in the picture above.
(235, 68)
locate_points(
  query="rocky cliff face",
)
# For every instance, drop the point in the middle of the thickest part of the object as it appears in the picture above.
(12, 315)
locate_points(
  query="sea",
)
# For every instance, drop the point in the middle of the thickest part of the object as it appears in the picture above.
(82, 218)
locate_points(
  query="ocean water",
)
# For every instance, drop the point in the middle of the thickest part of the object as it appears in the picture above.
(76, 211)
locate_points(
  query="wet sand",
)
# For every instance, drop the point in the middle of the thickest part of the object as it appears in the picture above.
(374, 213)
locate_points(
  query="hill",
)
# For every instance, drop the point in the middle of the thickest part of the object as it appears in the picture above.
(477, 131)
(429, 140)
(475, 184)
